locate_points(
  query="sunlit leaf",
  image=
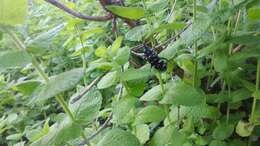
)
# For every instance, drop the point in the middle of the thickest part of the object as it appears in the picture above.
(244, 129)
(12, 13)
(253, 13)
(127, 12)
(116, 44)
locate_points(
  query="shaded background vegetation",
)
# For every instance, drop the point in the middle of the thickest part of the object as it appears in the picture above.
(83, 80)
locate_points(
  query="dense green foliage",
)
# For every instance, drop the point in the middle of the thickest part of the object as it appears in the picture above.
(209, 95)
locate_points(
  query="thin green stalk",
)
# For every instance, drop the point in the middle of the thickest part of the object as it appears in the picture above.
(84, 64)
(178, 117)
(172, 9)
(249, 141)
(252, 116)
(165, 107)
(228, 104)
(148, 19)
(237, 20)
(65, 107)
(38, 68)
(195, 74)
(159, 76)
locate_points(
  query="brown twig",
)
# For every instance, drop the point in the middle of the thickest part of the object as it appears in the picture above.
(237, 48)
(78, 14)
(86, 89)
(114, 25)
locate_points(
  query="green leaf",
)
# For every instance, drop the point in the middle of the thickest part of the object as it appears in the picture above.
(127, 12)
(99, 64)
(20, 143)
(176, 92)
(142, 132)
(136, 87)
(58, 84)
(44, 39)
(217, 143)
(145, 116)
(223, 131)
(87, 107)
(171, 50)
(246, 53)
(256, 94)
(122, 110)
(136, 33)
(153, 94)
(244, 129)
(15, 137)
(101, 52)
(170, 26)
(221, 63)
(122, 56)
(59, 133)
(245, 40)
(135, 74)
(253, 13)
(196, 30)
(27, 87)
(236, 142)
(108, 80)
(45, 130)
(11, 59)
(116, 44)
(185, 61)
(118, 137)
(12, 13)
(168, 136)
(248, 85)
(240, 95)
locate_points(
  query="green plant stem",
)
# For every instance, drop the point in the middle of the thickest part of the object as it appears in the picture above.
(84, 64)
(40, 71)
(252, 117)
(166, 108)
(228, 105)
(159, 76)
(237, 20)
(173, 4)
(148, 19)
(65, 107)
(195, 73)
